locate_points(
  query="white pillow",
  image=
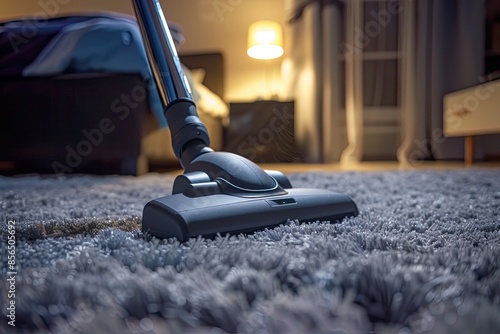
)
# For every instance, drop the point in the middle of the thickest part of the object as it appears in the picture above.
(198, 75)
(209, 103)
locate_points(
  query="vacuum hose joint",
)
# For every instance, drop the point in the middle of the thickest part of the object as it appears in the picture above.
(189, 134)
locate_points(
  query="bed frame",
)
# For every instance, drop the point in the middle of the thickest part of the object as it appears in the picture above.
(71, 124)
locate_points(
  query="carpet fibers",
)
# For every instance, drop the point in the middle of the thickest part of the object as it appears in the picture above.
(423, 256)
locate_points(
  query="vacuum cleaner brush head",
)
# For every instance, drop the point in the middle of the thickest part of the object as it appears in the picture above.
(183, 217)
(225, 193)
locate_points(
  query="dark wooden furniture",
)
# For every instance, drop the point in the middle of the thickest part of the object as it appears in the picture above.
(262, 131)
(70, 124)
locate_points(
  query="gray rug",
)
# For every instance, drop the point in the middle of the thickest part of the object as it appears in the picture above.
(422, 256)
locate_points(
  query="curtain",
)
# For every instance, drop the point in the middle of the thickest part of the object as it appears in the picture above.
(313, 74)
(443, 51)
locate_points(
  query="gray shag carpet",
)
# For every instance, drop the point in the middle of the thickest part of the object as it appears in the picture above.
(423, 256)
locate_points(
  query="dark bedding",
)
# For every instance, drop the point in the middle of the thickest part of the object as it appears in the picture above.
(21, 41)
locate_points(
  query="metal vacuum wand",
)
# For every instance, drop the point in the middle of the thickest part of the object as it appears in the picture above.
(189, 135)
(161, 51)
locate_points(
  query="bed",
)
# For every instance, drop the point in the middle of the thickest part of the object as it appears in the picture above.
(78, 97)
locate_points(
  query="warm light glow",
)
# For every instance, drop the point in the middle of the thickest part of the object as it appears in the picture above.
(265, 40)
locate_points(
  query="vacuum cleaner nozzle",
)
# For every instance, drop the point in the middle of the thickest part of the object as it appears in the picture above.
(219, 192)
(184, 216)
(224, 193)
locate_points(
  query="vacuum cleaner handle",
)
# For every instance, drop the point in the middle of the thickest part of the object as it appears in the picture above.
(189, 134)
(161, 51)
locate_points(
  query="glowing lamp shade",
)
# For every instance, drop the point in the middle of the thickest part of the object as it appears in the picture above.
(265, 40)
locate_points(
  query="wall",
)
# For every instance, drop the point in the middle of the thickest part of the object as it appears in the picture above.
(209, 25)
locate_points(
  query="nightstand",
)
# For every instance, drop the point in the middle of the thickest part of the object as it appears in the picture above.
(262, 131)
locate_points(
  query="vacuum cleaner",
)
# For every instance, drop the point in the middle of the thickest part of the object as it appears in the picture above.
(219, 192)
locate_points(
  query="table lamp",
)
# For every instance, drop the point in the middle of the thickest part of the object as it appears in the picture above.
(265, 41)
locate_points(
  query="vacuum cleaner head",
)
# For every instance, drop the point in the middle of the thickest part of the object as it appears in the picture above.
(182, 217)
(240, 199)
(219, 192)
